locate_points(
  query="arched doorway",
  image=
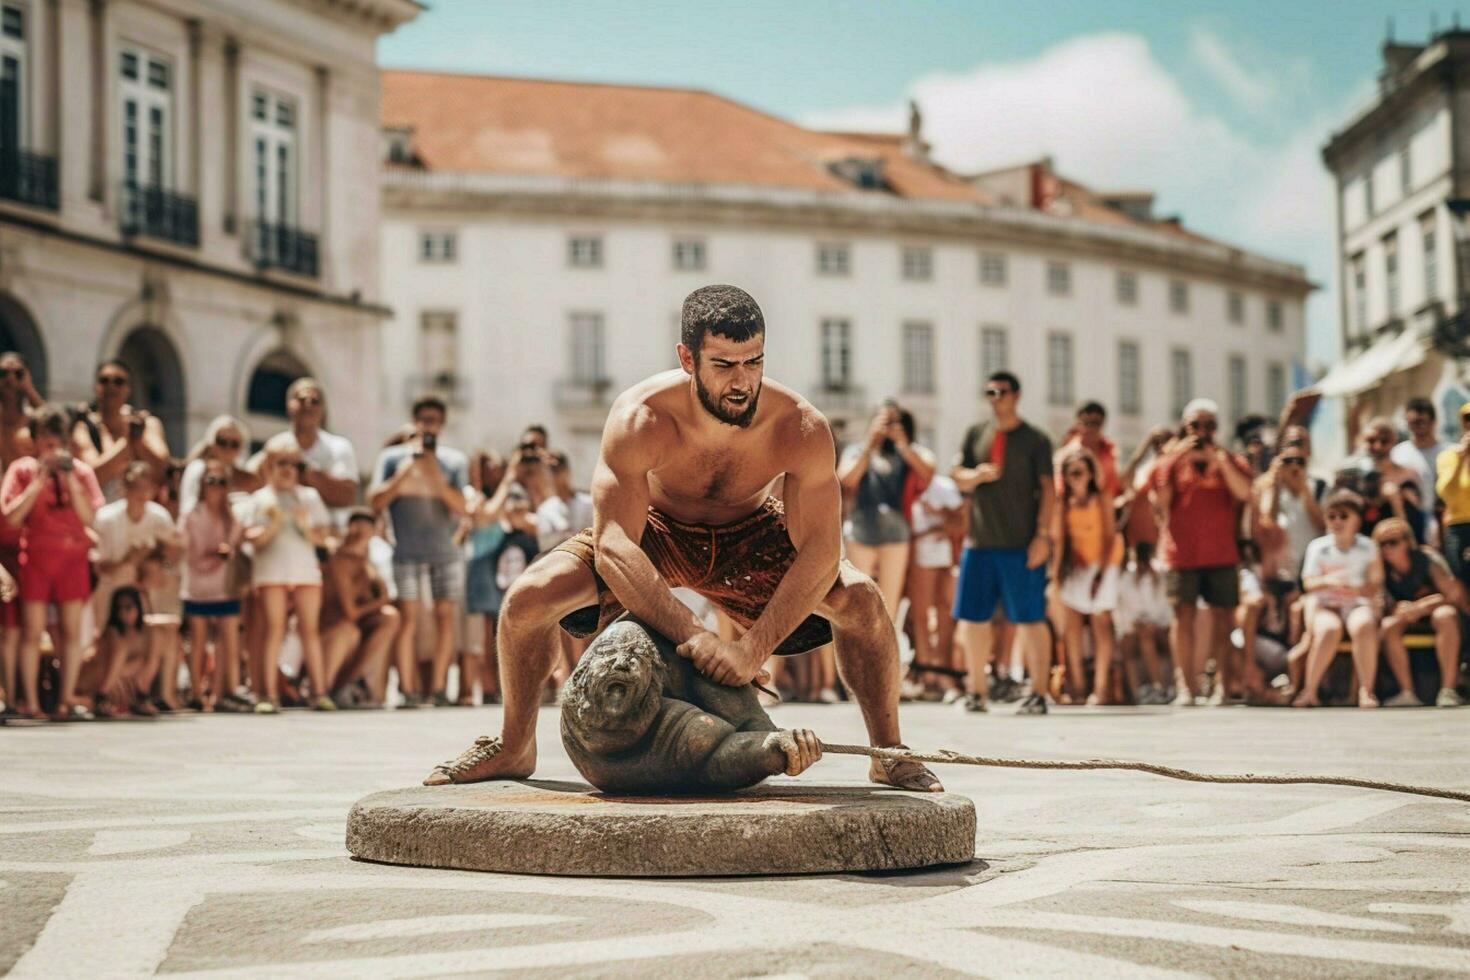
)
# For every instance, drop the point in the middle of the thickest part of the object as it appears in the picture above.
(265, 397)
(158, 381)
(18, 333)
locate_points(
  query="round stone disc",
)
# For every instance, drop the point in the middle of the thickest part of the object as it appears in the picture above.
(544, 827)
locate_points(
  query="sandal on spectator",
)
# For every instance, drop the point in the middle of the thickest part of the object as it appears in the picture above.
(76, 712)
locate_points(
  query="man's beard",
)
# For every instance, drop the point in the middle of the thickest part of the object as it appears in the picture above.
(743, 418)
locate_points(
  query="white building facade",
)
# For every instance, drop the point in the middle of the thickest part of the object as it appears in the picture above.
(1401, 166)
(537, 298)
(190, 187)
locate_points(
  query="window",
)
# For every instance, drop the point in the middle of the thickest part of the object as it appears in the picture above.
(1059, 369)
(1126, 288)
(1360, 293)
(1391, 271)
(584, 251)
(1179, 296)
(836, 354)
(1368, 193)
(1235, 307)
(1181, 380)
(588, 352)
(1237, 387)
(918, 264)
(1129, 389)
(12, 80)
(1059, 278)
(1275, 388)
(992, 269)
(1431, 257)
(273, 142)
(147, 118)
(438, 246)
(995, 352)
(1273, 315)
(833, 259)
(689, 254)
(1406, 173)
(439, 343)
(918, 358)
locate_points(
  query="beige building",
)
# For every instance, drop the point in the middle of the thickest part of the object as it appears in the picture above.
(1402, 170)
(191, 186)
(539, 237)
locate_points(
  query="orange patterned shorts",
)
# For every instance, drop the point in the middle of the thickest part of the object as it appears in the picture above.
(735, 566)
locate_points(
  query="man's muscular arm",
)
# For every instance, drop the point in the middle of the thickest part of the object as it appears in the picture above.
(813, 522)
(620, 512)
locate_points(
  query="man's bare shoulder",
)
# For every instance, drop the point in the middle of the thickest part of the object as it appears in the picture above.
(799, 427)
(644, 414)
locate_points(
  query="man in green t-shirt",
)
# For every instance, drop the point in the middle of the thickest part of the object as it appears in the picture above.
(1004, 465)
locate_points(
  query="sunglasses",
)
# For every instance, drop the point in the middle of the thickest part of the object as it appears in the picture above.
(1203, 426)
(291, 464)
(1378, 441)
(994, 393)
(16, 373)
(216, 481)
(1338, 515)
(115, 380)
(1293, 461)
(1077, 472)
(1391, 542)
(226, 443)
(310, 401)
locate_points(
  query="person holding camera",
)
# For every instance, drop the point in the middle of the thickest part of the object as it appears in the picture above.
(53, 498)
(113, 433)
(1198, 492)
(1388, 489)
(421, 484)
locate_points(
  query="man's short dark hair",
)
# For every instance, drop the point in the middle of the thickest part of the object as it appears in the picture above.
(429, 401)
(362, 514)
(725, 311)
(1008, 378)
(1343, 499)
(1418, 404)
(113, 362)
(1089, 408)
(539, 429)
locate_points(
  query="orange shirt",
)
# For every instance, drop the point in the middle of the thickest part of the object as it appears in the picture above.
(1084, 526)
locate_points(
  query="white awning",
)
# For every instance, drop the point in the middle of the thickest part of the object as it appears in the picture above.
(1387, 356)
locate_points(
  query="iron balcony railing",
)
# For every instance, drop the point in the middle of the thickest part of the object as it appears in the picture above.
(29, 178)
(157, 213)
(276, 246)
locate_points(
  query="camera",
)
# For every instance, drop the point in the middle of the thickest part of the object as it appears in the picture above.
(135, 427)
(530, 452)
(65, 463)
(431, 442)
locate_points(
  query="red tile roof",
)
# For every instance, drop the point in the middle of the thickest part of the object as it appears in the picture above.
(521, 126)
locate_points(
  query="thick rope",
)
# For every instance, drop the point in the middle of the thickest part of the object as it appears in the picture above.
(948, 756)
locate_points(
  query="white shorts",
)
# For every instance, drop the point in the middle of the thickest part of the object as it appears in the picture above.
(933, 551)
(472, 633)
(1076, 590)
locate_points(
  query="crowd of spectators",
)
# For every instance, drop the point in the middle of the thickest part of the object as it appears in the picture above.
(1193, 571)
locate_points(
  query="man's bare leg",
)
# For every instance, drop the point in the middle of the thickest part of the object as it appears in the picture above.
(528, 646)
(977, 640)
(1181, 639)
(867, 656)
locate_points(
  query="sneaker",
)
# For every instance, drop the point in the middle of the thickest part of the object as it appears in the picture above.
(1034, 705)
(952, 695)
(828, 696)
(411, 701)
(973, 704)
(323, 703)
(1449, 698)
(441, 700)
(266, 708)
(1404, 699)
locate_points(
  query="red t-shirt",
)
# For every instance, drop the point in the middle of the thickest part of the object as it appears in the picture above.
(52, 524)
(1200, 532)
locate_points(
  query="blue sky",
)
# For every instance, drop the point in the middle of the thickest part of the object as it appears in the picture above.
(1219, 108)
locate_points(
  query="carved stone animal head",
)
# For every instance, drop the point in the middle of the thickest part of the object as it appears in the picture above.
(615, 693)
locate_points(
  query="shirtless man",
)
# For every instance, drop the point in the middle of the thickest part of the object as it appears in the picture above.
(682, 497)
(115, 433)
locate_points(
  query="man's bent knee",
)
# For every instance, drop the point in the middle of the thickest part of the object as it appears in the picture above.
(855, 599)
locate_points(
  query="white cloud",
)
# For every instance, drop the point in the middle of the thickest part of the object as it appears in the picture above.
(1114, 118)
(1252, 90)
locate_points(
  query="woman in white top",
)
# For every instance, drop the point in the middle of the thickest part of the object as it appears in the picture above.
(228, 441)
(285, 525)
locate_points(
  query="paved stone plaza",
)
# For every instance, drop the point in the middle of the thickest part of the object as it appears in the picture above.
(215, 845)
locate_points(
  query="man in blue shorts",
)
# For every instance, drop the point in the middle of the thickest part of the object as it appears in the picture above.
(1005, 467)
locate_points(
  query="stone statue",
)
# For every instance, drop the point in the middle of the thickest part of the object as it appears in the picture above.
(638, 718)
